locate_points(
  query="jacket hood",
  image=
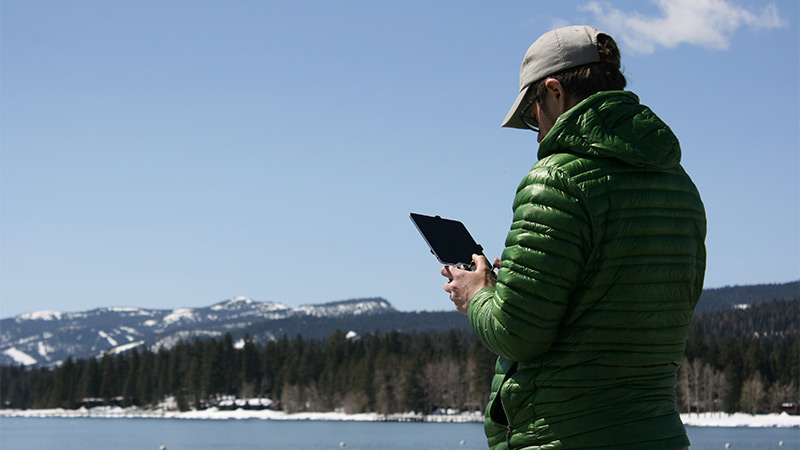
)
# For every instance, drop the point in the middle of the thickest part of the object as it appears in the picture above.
(613, 124)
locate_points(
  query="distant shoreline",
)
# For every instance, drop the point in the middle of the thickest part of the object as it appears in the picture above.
(710, 419)
(241, 414)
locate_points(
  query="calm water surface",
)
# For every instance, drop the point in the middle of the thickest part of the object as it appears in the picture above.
(176, 434)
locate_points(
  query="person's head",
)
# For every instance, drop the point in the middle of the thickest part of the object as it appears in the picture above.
(563, 67)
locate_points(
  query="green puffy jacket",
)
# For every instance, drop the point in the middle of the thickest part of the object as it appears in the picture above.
(601, 273)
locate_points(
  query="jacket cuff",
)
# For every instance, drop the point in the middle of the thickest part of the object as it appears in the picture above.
(478, 299)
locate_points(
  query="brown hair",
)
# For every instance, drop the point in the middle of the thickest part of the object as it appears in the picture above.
(582, 81)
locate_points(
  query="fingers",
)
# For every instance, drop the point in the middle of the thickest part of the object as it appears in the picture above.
(496, 263)
(447, 273)
(481, 263)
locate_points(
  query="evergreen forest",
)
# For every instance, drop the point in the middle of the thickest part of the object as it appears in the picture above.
(736, 360)
(744, 360)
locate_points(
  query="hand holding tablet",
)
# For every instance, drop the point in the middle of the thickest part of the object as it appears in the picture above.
(448, 240)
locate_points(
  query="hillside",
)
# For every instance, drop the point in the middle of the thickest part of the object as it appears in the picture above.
(736, 360)
(47, 338)
(743, 359)
(727, 297)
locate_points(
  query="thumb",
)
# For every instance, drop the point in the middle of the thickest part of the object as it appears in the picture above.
(481, 263)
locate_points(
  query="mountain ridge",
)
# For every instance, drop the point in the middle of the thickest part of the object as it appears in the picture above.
(48, 337)
(45, 338)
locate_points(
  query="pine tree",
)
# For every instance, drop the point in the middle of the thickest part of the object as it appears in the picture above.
(413, 388)
(230, 366)
(130, 392)
(250, 366)
(212, 379)
(194, 394)
(161, 375)
(108, 377)
(178, 364)
(90, 379)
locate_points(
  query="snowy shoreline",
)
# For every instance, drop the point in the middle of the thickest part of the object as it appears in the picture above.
(240, 414)
(710, 419)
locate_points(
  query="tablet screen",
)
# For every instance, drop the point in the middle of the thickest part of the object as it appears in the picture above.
(448, 239)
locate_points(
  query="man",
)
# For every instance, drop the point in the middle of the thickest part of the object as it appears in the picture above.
(603, 265)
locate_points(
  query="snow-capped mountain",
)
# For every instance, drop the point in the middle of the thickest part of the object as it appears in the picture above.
(48, 337)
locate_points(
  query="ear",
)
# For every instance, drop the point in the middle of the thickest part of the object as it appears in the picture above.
(556, 91)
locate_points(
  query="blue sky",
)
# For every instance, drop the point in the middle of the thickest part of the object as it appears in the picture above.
(176, 153)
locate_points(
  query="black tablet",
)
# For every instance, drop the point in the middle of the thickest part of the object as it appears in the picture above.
(448, 240)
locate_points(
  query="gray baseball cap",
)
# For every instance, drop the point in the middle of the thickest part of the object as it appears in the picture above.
(554, 51)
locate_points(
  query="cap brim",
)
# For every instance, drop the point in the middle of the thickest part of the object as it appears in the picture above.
(512, 119)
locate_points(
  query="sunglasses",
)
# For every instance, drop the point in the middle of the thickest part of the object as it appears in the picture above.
(529, 121)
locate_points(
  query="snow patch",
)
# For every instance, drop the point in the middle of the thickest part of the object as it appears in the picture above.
(236, 303)
(179, 314)
(127, 309)
(348, 307)
(40, 315)
(125, 348)
(721, 419)
(110, 340)
(20, 356)
(44, 349)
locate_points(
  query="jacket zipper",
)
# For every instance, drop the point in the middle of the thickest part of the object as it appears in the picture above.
(509, 430)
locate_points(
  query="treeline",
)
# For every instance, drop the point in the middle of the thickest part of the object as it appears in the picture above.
(383, 373)
(719, 299)
(736, 360)
(742, 360)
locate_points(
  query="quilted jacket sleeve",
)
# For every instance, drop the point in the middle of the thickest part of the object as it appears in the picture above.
(543, 261)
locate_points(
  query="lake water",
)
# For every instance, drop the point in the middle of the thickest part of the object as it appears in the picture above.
(177, 434)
